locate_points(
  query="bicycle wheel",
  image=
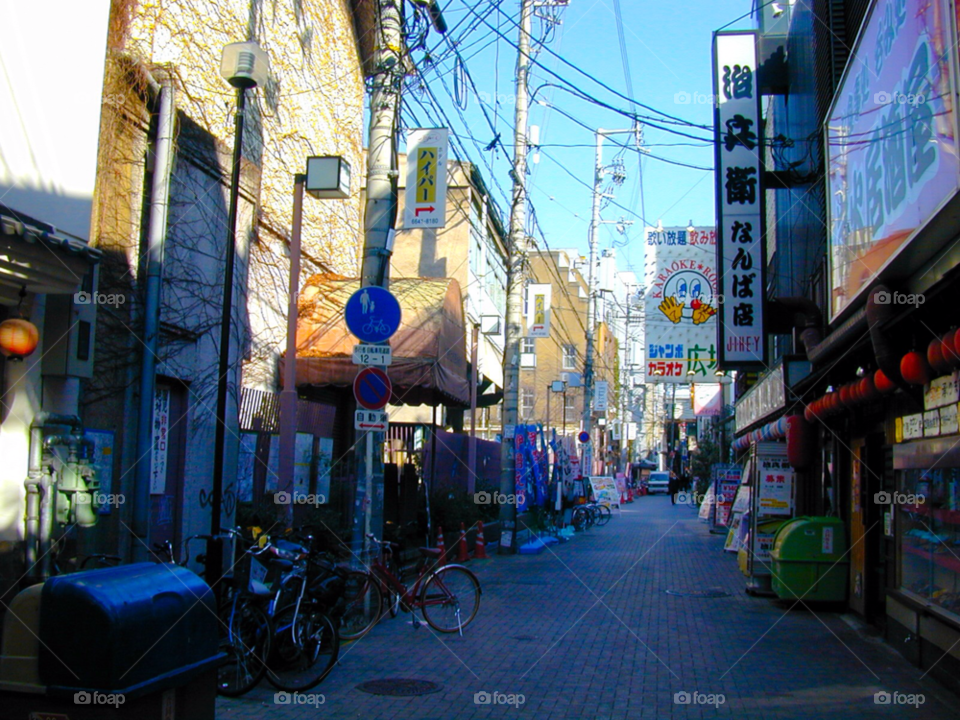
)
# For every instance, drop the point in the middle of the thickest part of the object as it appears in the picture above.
(246, 638)
(450, 599)
(305, 648)
(604, 515)
(364, 603)
(579, 518)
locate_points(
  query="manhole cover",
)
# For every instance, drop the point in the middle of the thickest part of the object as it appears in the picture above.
(699, 593)
(401, 687)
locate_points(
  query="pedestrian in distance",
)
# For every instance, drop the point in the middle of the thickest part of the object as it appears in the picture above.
(673, 487)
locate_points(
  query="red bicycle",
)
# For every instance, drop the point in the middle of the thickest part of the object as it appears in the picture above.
(448, 596)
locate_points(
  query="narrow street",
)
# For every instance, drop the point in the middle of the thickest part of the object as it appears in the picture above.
(588, 630)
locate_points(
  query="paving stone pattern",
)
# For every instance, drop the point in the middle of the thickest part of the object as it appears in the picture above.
(586, 630)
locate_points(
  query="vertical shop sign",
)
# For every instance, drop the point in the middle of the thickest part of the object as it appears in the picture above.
(739, 171)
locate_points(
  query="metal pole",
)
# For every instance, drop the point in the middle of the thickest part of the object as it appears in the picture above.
(288, 396)
(515, 264)
(214, 565)
(472, 443)
(586, 466)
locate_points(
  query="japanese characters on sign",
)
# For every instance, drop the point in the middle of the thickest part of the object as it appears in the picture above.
(740, 246)
(538, 310)
(425, 201)
(601, 392)
(775, 489)
(890, 141)
(161, 429)
(681, 304)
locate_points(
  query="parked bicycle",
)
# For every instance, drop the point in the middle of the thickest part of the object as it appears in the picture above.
(586, 516)
(447, 596)
(275, 627)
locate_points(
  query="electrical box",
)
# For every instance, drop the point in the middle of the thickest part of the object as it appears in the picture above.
(69, 328)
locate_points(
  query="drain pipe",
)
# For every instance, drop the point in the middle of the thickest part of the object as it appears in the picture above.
(156, 239)
(884, 348)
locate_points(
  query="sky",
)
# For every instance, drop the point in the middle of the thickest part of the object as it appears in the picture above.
(668, 49)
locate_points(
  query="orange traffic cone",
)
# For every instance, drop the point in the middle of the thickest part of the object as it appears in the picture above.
(479, 547)
(441, 547)
(462, 554)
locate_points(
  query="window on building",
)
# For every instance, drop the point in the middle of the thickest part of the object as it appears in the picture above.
(526, 404)
(528, 345)
(569, 357)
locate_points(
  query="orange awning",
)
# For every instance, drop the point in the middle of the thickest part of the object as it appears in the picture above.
(429, 350)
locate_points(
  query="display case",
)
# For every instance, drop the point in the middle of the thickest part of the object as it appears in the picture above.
(927, 519)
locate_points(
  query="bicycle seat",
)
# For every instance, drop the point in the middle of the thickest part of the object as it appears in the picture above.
(430, 552)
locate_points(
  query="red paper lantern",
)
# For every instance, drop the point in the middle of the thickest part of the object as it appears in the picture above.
(936, 359)
(833, 403)
(18, 337)
(846, 395)
(868, 390)
(948, 349)
(800, 442)
(884, 385)
(809, 414)
(915, 369)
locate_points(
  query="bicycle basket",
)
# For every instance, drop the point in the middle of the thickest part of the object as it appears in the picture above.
(255, 574)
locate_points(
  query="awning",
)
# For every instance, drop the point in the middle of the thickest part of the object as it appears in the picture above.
(34, 256)
(429, 350)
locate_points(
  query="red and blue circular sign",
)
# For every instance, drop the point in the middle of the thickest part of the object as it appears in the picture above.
(372, 388)
(584, 437)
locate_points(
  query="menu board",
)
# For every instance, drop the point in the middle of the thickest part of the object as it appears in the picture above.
(605, 491)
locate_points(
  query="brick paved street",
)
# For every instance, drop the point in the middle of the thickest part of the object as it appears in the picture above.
(588, 631)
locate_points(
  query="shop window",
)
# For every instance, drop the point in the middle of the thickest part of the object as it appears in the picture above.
(927, 507)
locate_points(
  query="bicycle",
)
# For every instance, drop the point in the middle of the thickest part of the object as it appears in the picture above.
(448, 596)
(291, 640)
(376, 326)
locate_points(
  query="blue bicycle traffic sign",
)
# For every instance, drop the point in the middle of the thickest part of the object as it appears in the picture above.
(372, 314)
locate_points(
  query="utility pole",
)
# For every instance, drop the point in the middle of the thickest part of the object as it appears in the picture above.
(379, 220)
(586, 466)
(515, 264)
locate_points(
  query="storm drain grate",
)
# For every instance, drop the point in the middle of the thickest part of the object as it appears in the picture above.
(400, 687)
(699, 593)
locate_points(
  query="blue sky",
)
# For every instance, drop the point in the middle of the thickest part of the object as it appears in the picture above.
(669, 51)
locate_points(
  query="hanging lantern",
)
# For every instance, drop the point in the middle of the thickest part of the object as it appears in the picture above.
(884, 385)
(809, 414)
(868, 390)
(936, 359)
(915, 369)
(846, 395)
(948, 349)
(18, 338)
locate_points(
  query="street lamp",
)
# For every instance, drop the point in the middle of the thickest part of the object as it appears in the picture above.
(326, 177)
(244, 65)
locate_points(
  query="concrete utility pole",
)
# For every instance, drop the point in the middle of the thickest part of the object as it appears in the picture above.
(595, 222)
(515, 264)
(379, 219)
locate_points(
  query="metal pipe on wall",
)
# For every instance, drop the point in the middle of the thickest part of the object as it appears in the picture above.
(156, 242)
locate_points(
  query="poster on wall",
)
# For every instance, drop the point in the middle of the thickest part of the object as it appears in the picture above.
(891, 144)
(681, 304)
(741, 504)
(102, 462)
(739, 172)
(726, 481)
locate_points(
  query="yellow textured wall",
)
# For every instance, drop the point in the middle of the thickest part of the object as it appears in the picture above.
(312, 106)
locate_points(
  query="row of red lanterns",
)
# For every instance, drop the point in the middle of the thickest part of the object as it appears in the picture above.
(849, 395)
(942, 356)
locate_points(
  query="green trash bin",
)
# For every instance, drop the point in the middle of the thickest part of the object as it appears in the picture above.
(809, 560)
